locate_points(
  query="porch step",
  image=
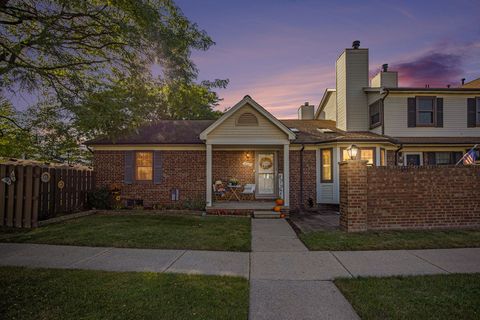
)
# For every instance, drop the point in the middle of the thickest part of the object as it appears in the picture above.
(260, 214)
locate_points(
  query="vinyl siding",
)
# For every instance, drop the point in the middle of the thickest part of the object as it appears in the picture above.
(454, 117)
(228, 132)
(331, 107)
(341, 87)
(356, 99)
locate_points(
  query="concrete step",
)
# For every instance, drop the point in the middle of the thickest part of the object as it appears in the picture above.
(260, 214)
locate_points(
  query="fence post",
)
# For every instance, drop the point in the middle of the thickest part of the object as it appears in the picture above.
(353, 195)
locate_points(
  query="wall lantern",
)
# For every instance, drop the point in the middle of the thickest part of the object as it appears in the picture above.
(352, 152)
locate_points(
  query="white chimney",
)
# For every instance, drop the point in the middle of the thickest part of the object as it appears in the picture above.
(385, 78)
(306, 112)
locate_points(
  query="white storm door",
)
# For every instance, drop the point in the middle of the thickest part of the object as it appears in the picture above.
(266, 174)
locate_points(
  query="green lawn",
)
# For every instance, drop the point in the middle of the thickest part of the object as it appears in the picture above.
(390, 240)
(142, 231)
(74, 294)
(455, 296)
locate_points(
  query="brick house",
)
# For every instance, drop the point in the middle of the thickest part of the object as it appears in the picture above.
(174, 161)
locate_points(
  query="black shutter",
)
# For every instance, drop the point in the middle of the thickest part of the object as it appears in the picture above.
(412, 112)
(471, 113)
(429, 158)
(129, 167)
(439, 112)
(157, 167)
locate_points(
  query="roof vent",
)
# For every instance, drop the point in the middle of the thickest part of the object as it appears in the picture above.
(325, 130)
(294, 130)
(247, 119)
(356, 44)
(463, 81)
(385, 67)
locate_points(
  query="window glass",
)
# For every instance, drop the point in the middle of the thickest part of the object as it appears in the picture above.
(143, 166)
(375, 113)
(425, 107)
(365, 154)
(478, 110)
(442, 158)
(327, 164)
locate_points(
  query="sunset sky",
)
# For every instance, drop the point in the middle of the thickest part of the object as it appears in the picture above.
(283, 52)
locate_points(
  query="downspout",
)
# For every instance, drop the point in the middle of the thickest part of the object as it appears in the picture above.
(383, 109)
(396, 154)
(302, 206)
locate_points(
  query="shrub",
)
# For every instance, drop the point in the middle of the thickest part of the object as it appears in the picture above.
(100, 198)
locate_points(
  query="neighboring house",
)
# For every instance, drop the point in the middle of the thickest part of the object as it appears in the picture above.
(297, 160)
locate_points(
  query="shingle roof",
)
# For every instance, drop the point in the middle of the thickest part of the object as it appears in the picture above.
(161, 132)
(472, 84)
(438, 140)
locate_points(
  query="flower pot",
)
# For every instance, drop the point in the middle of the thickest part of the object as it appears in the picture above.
(277, 209)
(279, 202)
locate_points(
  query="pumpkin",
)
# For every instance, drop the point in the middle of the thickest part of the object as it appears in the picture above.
(279, 202)
(283, 215)
(277, 209)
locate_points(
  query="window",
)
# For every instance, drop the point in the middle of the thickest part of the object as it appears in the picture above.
(247, 119)
(374, 111)
(143, 166)
(327, 165)
(365, 154)
(442, 158)
(425, 111)
(382, 157)
(478, 111)
(413, 159)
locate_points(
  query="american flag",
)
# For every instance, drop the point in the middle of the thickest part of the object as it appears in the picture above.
(470, 157)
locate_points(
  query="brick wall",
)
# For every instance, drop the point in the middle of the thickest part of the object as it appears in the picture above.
(233, 164)
(424, 197)
(309, 176)
(390, 157)
(184, 170)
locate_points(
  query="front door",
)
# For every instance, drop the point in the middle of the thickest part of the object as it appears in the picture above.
(266, 175)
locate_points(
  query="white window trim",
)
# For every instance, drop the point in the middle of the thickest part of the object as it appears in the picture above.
(412, 153)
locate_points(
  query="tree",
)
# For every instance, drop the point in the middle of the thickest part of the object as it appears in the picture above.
(15, 141)
(92, 59)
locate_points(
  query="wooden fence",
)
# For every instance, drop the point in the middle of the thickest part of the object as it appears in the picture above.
(29, 193)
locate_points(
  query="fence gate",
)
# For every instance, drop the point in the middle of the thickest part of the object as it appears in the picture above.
(31, 192)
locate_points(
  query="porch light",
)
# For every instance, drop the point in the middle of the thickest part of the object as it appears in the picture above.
(352, 152)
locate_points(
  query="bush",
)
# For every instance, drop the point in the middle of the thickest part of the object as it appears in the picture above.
(99, 199)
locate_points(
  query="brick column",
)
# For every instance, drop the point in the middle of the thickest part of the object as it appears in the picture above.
(353, 195)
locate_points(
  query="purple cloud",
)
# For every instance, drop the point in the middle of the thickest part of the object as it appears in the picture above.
(434, 69)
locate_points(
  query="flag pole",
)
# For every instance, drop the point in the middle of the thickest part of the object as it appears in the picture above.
(461, 159)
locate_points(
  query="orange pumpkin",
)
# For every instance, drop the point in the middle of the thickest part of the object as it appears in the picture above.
(279, 202)
(277, 209)
(282, 215)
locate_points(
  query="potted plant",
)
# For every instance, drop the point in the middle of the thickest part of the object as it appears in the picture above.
(233, 181)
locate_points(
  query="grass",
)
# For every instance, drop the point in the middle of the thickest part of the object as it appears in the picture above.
(454, 296)
(74, 294)
(391, 240)
(142, 231)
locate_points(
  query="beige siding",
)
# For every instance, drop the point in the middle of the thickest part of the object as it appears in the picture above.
(331, 107)
(229, 132)
(357, 80)
(454, 118)
(341, 92)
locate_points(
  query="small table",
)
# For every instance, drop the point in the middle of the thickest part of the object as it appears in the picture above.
(233, 191)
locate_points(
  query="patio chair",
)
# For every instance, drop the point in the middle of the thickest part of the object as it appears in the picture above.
(219, 190)
(249, 190)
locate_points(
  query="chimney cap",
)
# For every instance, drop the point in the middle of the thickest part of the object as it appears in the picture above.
(306, 103)
(463, 81)
(356, 44)
(385, 67)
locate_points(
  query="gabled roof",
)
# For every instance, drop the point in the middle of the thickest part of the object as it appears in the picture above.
(247, 100)
(325, 96)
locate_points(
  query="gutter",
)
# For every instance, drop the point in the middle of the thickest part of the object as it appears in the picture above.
(302, 206)
(396, 153)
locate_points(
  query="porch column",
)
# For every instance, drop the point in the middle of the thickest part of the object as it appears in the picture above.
(209, 175)
(286, 174)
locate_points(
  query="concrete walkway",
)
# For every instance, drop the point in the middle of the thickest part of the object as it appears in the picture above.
(286, 280)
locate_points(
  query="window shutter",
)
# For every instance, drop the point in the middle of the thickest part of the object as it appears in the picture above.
(129, 167)
(439, 112)
(471, 113)
(157, 167)
(412, 112)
